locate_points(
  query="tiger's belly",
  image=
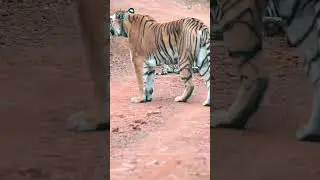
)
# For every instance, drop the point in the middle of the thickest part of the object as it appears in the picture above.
(161, 58)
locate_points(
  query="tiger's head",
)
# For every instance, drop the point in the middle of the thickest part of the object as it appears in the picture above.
(118, 20)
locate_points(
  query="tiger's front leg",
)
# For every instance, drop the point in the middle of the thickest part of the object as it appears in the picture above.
(91, 15)
(145, 74)
(148, 81)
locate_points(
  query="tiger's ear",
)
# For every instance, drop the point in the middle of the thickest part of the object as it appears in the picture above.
(131, 10)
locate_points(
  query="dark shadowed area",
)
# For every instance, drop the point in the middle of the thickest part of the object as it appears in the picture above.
(43, 80)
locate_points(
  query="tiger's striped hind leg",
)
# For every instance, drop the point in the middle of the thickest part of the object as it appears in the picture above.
(203, 65)
(243, 39)
(186, 77)
(307, 39)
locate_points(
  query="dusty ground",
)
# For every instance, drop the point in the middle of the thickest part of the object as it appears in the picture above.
(44, 79)
(162, 139)
(268, 149)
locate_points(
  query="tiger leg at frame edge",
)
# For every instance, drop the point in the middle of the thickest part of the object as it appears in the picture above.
(91, 19)
(310, 48)
(246, 50)
(205, 69)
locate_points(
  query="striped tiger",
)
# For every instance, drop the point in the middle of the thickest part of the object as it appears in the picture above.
(185, 42)
(302, 25)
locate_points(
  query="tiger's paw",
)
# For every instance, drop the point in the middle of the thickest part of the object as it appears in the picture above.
(309, 133)
(221, 119)
(83, 122)
(180, 99)
(206, 103)
(137, 100)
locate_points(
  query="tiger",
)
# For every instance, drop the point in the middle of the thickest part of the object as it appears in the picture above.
(301, 22)
(185, 42)
(91, 18)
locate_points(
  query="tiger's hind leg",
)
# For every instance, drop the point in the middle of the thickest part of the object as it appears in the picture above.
(307, 39)
(148, 81)
(204, 59)
(243, 39)
(203, 66)
(186, 77)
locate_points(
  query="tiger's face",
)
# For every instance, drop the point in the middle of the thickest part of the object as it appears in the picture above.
(117, 21)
